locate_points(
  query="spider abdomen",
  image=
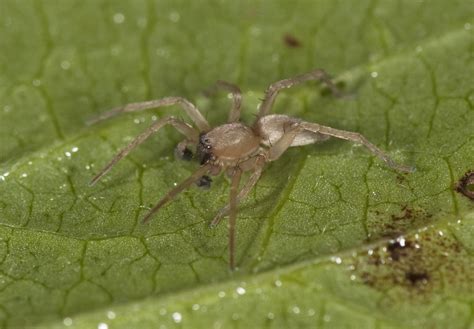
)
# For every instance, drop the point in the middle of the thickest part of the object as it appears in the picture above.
(272, 127)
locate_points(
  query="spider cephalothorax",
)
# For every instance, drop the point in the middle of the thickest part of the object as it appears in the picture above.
(235, 147)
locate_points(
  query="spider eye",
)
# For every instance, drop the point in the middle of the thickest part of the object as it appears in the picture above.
(208, 147)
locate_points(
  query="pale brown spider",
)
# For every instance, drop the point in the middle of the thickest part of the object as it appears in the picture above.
(235, 147)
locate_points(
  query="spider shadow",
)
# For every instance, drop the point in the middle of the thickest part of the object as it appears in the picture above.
(266, 198)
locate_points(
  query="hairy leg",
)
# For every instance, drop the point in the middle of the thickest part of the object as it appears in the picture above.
(291, 130)
(249, 184)
(188, 107)
(236, 175)
(234, 114)
(181, 126)
(357, 138)
(178, 189)
(273, 90)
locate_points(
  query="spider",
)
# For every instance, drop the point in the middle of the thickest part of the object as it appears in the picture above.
(235, 147)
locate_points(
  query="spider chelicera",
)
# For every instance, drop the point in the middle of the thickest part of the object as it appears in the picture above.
(235, 147)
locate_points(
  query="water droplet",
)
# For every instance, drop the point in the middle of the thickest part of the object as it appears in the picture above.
(370, 252)
(467, 26)
(119, 18)
(4, 176)
(125, 89)
(24, 175)
(311, 312)
(174, 16)
(278, 283)
(195, 307)
(374, 74)
(336, 260)
(111, 315)
(353, 277)
(419, 49)
(440, 233)
(68, 154)
(115, 50)
(221, 294)
(401, 241)
(296, 310)
(65, 65)
(255, 31)
(7, 108)
(163, 52)
(177, 317)
(103, 325)
(270, 315)
(36, 82)
(30, 163)
(327, 318)
(162, 311)
(74, 149)
(142, 22)
(240, 290)
(67, 321)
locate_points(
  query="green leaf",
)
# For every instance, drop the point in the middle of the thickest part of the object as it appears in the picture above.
(330, 237)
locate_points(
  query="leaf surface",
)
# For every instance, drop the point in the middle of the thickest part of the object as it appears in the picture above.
(330, 237)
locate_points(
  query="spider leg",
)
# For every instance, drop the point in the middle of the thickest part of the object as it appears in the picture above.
(188, 107)
(291, 130)
(273, 90)
(236, 175)
(178, 189)
(234, 114)
(273, 153)
(357, 138)
(181, 126)
(252, 180)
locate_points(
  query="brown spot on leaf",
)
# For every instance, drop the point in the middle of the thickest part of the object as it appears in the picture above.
(407, 213)
(398, 249)
(291, 41)
(417, 277)
(401, 178)
(417, 264)
(396, 224)
(465, 185)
